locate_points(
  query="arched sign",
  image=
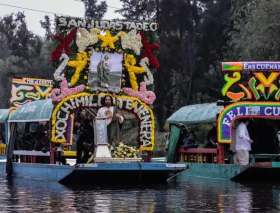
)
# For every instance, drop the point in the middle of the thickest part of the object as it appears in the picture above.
(241, 110)
(71, 103)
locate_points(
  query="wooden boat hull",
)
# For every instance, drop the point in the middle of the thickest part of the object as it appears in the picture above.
(267, 171)
(97, 173)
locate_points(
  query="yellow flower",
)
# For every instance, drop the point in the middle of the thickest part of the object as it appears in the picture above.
(123, 80)
(87, 87)
(133, 105)
(108, 40)
(80, 63)
(122, 156)
(95, 30)
(122, 33)
(97, 49)
(120, 50)
(106, 48)
(90, 52)
(85, 77)
(130, 62)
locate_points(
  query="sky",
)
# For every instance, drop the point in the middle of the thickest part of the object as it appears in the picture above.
(62, 7)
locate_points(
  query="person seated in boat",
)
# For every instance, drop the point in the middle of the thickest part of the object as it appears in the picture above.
(2, 139)
(212, 141)
(190, 141)
(43, 127)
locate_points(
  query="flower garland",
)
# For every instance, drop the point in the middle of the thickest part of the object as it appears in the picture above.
(58, 94)
(124, 151)
(80, 63)
(129, 62)
(108, 40)
(55, 113)
(147, 51)
(147, 96)
(131, 40)
(149, 79)
(64, 45)
(86, 38)
(57, 74)
(140, 109)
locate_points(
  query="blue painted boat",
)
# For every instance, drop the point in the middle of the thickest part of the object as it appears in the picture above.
(124, 171)
(97, 173)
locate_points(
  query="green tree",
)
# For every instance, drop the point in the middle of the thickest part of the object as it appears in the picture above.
(94, 10)
(256, 31)
(23, 54)
(139, 9)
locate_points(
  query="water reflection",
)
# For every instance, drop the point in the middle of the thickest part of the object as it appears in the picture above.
(191, 195)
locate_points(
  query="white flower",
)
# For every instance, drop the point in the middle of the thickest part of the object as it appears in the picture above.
(57, 74)
(149, 79)
(86, 38)
(131, 40)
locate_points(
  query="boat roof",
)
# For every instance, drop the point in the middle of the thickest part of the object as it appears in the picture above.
(33, 111)
(198, 113)
(4, 113)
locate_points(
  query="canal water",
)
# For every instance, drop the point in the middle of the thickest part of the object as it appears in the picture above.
(191, 195)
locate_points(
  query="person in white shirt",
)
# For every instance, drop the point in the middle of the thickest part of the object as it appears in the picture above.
(113, 118)
(243, 142)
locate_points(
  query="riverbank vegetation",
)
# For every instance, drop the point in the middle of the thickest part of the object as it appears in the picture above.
(195, 37)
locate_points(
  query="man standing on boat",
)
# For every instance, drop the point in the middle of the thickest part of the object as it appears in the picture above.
(243, 142)
(78, 120)
(113, 119)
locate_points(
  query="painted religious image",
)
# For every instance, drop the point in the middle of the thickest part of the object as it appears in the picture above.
(105, 71)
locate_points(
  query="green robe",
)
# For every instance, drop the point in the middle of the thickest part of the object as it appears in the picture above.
(103, 73)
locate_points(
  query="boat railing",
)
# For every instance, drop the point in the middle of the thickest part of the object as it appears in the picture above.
(30, 156)
(271, 157)
(198, 155)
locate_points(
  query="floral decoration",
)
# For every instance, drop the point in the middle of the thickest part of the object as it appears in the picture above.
(58, 94)
(131, 40)
(124, 151)
(135, 40)
(86, 38)
(64, 45)
(147, 96)
(80, 63)
(147, 51)
(149, 79)
(129, 62)
(57, 74)
(108, 40)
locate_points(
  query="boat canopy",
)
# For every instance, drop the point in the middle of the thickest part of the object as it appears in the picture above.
(33, 111)
(198, 113)
(4, 113)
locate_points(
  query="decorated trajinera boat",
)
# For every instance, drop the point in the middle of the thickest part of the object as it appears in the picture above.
(251, 90)
(93, 59)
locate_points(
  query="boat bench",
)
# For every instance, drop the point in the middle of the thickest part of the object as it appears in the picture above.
(198, 155)
(31, 156)
(272, 157)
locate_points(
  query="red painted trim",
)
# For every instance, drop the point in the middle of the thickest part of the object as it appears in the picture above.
(150, 157)
(52, 154)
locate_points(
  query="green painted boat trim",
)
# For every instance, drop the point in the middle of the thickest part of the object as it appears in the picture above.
(221, 171)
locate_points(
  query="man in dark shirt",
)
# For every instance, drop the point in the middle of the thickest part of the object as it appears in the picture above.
(212, 137)
(78, 121)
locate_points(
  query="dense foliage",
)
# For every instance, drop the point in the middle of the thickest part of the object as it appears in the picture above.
(195, 37)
